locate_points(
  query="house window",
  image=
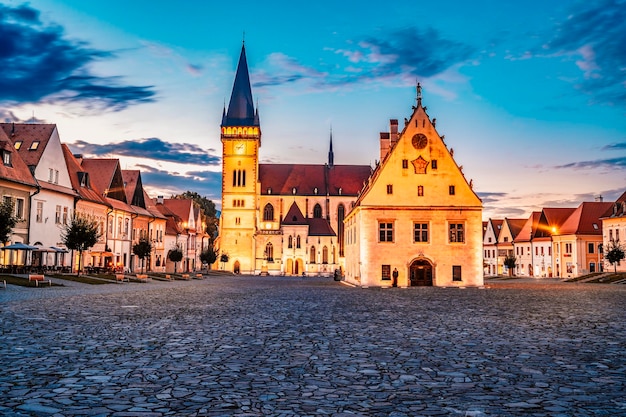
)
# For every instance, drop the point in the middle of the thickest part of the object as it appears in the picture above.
(420, 232)
(456, 273)
(451, 190)
(405, 163)
(385, 272)
(56, 176)
(50, 174)
(57, 215)
(317, 211)
(506, 238)
(568, 248)
(590, 248)
(420, 191)
(456, 233)
(39, 215)
(269, 252)
(385, 232)
(6, 158)
(617, 235)
(126, 227)
(34, 146)
(268, 212)
(18, 144)
(433, 164)
(389, 188)
(312, 255)
(64, 215)
(19, 208)
(325, 255)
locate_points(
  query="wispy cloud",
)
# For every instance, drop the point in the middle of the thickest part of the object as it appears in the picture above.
(615, 147)
(205, 183)
(151, 148)
(594, 35)
(39, 64)
(619, 162)
(390, 56)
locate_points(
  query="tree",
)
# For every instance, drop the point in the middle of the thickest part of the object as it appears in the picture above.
(510, 262)
(175, 255)
(80, 234)
(208, 256)
(208, 208)
(7, 220)
(224, 258)
(142, 249)
(614, 253)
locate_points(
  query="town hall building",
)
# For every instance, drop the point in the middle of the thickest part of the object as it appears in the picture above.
(411, 220)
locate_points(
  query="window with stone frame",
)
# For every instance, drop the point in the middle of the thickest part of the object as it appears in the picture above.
(385, 231)
(456, 233)
(385, 272)
(456, 273)
(420, 232)
(268, 213)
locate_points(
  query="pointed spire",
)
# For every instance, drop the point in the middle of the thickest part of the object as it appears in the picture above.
(241, 106)
(331, 155)
(419, 94)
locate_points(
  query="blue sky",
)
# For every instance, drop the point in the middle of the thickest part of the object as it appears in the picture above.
(530, 95)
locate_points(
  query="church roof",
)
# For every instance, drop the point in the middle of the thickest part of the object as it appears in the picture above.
(241, 107)
(320, 227)
(294, 216)
(309, 179)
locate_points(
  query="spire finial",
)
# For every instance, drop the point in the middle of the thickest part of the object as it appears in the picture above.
(243, 38)
(331, 155)
(419, 93)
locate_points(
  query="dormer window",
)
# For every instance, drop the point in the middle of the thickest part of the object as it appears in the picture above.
(34, 146)
(18, 144)
(269, 190)
(6, 158)
(83, 179)
(294, 190)
(315, 190)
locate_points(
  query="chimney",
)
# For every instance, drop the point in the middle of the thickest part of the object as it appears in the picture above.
(384, 145)
(393, 131)
(160, 199)
(599, 199)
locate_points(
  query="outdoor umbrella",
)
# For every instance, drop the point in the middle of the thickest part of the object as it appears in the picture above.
(19, 246)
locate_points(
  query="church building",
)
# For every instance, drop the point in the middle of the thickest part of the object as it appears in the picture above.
(411, 220)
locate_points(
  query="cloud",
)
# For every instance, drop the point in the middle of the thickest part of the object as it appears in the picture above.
(151, 148)
(612, 163)
(615, 146)
(595, 35)
(39, 64)
(392, 55)
(167, 183)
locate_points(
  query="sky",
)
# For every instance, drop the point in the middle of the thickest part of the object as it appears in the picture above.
(530, 95)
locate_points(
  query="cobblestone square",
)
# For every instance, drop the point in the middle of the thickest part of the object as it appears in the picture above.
(283, 346)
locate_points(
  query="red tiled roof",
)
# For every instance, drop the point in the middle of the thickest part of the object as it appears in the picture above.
(319, 227)
(552, 218)
(179, 206)
(89, 192)
(497, 226)
(306, 178)
(27, 134)
(151, 206)
(18, 172)
(130, 182)
(294, 216)
(527, 232)
(101, 171)
(585, 219)
(515, 225)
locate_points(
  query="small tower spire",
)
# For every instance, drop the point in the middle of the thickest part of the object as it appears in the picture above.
(419, 94)
(331, 155)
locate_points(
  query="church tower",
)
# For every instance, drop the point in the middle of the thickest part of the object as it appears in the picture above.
(241, 140)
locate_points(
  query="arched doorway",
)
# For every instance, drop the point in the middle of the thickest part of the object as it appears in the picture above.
(421, 273)
(237, 267)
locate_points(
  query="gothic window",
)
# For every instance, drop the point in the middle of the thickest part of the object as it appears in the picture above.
(298, 242)
(317, 211)
(341, 214)
(324, 255)
(268, 212)
(312, 255)
(290, 242)
(269, 252)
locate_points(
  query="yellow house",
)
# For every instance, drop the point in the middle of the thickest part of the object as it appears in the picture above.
(417, 222)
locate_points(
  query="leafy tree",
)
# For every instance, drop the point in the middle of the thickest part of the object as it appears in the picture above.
(510, 262)
(224, 258)
(175, 255)
(7, 220)
(208, 256)
(208, 208)
(614, 253)
(80, 234)
(142, 249)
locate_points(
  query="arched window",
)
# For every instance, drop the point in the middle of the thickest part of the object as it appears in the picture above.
(234, 177)
(325, 255)
(317, 211)
(269, 252)
(290, 242)
(268, 212)
(341, 214)
(298, 242)
(312, 255)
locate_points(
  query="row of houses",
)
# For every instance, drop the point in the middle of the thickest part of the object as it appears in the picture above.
(47, 185)
(556, 242)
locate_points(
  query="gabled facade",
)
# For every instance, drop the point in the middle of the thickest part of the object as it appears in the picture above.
(416, 215)
(51, 208)
(577, 245)
(181, 231)
(506, 238)
(614, 230)
(490, 246)
(156, 233)
(533, 258)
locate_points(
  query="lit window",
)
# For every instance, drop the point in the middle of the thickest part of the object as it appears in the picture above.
(34, 146)
(18, 145)
(6, 158)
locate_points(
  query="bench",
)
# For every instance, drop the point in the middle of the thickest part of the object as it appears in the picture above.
(37, 278)
(142, 277)
(185, 276)
(120, 278)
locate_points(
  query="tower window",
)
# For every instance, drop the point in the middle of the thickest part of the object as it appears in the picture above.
(433, 164)
(451, 190)
(268, 212)
(389, 188)
(317, 211)
(405, 163)
(420, 191)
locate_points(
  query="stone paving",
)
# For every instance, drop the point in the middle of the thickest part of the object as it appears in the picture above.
(279, 346)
